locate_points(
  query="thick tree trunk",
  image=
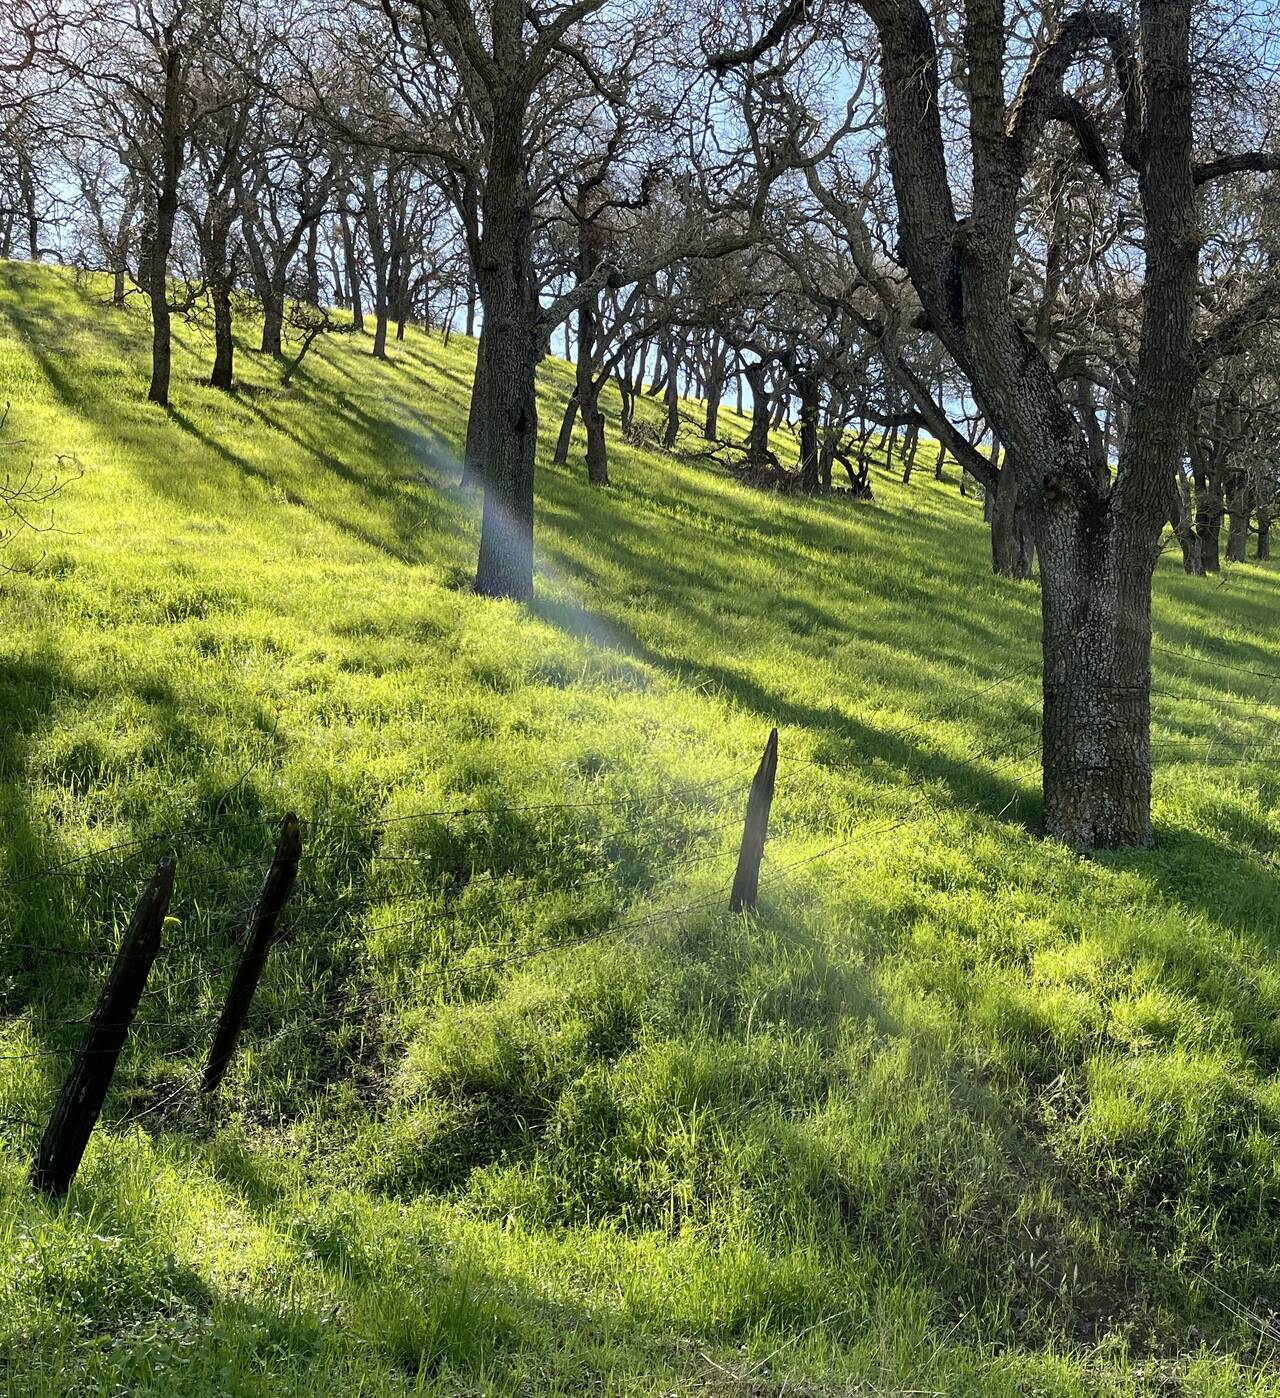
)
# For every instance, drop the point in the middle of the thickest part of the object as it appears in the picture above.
(1096, 608)
(1263, 550)
(758, 436)
(512, 346)
(1012, 550)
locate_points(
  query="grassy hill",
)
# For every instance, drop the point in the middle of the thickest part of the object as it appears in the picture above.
(520, 1109)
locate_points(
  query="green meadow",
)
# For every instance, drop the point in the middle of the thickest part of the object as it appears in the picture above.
(521, 1108)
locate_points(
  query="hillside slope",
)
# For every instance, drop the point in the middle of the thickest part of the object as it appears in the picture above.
(520, 1109)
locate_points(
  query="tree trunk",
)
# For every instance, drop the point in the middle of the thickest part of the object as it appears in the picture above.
(273, 315)
(909, 453)
(512, 346)
(597, 449)
(1012, 551)
(758, 436)
(313, 264)
(715, 392)
(1096, 609)
(561, 455)
(807, 386)
(223, 342)
(672, 431)
(1209, 511)
(353, 271)
(1238, 512)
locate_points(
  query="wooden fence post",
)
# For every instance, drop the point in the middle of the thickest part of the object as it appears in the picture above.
(79, 1104)
(746, 881)
(276, 888)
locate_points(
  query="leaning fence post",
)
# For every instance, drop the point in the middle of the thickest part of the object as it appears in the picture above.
(79, 1104)
(746, 881)
(276, 888)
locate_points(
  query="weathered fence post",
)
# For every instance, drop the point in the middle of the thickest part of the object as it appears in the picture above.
(79, 1104)
(276, 888)
(746, 881)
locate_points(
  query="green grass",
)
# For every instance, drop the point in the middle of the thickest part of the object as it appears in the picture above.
(957, 1112)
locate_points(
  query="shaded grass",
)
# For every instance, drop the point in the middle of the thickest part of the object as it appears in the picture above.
(956, 1112)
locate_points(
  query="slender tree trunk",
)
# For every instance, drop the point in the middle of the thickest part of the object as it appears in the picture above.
(561, 454)
(808, 388)
(672, 430)
(1239, 508)
(379, 305)
(173, 146)
(313, 264)
(224, 348)
(1263, 551)
(28, 188)
(353, 271)
(715, 392)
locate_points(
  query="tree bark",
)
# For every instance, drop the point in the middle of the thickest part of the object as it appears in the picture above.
(561, 455)
(223, 372)
(512, 347)
(1239, 508)
(172, 149)
(758, 435)
(353, 271)
(1096, 609)
(1011, 547)
(808, 388)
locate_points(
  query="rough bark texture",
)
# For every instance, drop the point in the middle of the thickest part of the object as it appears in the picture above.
(1012, 549)
(511, 348)
(810, 467)
(1097, 544)
(172, 150)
